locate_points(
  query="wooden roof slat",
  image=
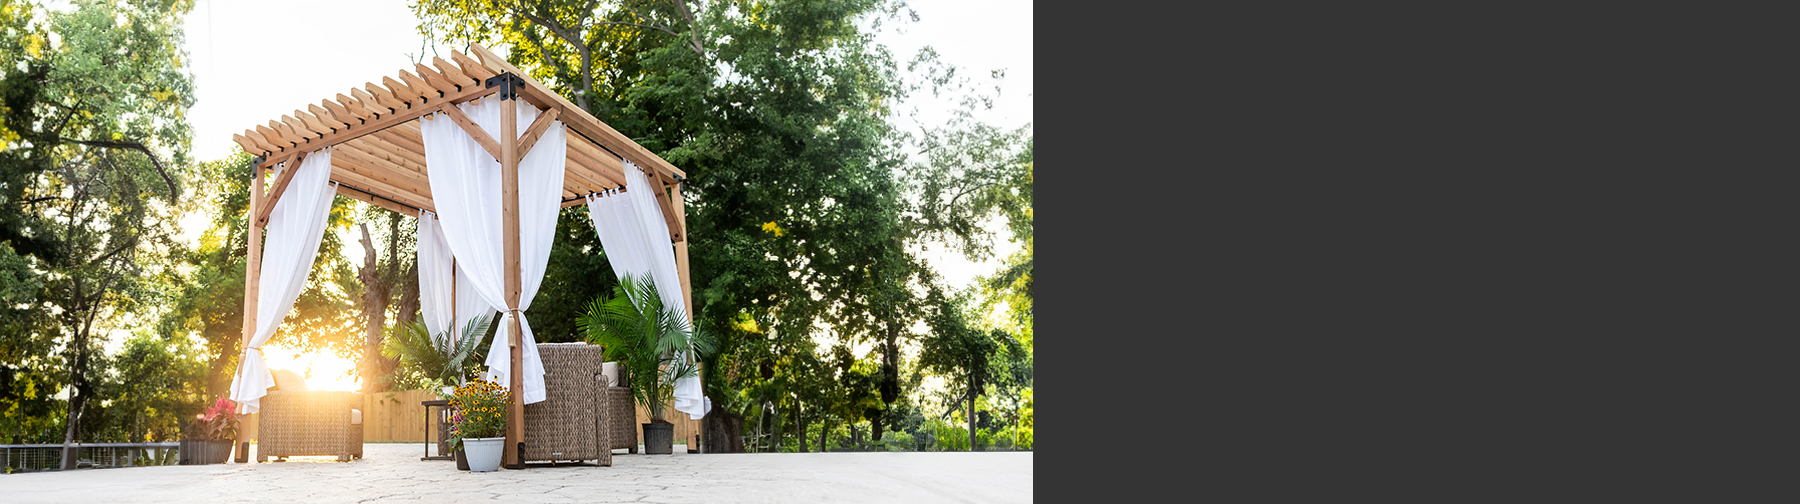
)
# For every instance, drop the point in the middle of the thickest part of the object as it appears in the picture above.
(390, 152)
(406, 93)
(303, 129)
(262, 144)
(583, 173)
(273, 137)
(425, 89)
(385, 97)
(339, 113)
(376, 108)
(378, 187)
(286, 133)
(248, 145)
(436, 80)
(367, 166)
(346, 191)
(414, 145)
(323, 126)
(470, 67)
(329, 118)
(489, 61)
(453, 74)
(355, 106)
(604, 163)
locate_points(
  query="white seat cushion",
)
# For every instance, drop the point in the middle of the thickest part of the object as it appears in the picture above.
(611, 371)
(355, 417)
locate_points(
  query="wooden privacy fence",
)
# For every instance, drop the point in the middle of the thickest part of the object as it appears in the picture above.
(399, 417)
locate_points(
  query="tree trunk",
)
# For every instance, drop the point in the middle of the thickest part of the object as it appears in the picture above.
(800, 425)
(824, 428)
(374, 305)
(972, 391)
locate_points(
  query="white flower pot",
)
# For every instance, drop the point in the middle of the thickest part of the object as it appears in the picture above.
(484, 453)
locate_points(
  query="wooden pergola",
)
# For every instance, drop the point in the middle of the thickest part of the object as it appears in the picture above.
(378, 157)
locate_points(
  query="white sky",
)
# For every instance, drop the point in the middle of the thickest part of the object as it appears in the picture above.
(254, 61)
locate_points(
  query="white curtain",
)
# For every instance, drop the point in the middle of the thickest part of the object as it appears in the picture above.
(465, 184)
(295, 227)
(439, 299)
(435, 277)
(636, 240)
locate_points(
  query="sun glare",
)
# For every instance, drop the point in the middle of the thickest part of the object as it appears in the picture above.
(322, 370)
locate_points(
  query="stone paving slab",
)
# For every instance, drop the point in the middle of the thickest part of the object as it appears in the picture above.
(394, 473)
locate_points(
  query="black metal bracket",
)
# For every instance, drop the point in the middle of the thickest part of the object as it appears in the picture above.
(256, 166)
(509, 85)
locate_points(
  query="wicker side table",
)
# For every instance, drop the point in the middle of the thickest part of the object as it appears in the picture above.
(443, 429)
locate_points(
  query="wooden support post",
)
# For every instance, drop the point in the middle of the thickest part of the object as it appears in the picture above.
(509, 214)
(252, 266)
(681, 266)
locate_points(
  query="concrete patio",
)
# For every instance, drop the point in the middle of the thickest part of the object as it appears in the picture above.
(394, 473)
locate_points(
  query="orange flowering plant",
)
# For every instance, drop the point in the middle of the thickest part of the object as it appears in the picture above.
(479, 411)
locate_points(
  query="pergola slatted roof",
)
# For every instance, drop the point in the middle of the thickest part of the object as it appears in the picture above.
(378, 156)
(381, 157)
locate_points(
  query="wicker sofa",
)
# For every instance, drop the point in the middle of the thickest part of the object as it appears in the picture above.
(310, 423)
(569, 424)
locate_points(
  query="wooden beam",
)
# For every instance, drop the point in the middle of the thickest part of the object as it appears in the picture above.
(604, 164)
(537, 129)
(285, 133)
(302, 129)
(481, 137)
(346, 191)
(509, 225)
(580, 120)
(668, 207)
(281, 185)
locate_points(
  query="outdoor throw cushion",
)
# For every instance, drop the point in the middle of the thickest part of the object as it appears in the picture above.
(288, 381)
(355, 417)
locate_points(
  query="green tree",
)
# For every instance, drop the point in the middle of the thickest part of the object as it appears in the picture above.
(777, 112)
(971, 357)
(95, 102)
(207, 302)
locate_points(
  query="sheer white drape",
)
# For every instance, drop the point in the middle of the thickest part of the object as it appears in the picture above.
(465, 184)
(636, 240)
(295, 227)
(439, 301)
(435, 277)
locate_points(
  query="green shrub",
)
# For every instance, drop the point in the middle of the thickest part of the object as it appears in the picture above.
(897, 441)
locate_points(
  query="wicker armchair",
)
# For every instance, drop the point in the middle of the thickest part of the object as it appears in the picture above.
(569, 424)
(308, 424)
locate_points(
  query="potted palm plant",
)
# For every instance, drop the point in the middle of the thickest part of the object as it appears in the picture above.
(651, 341)
(480, 423)
(442, 361)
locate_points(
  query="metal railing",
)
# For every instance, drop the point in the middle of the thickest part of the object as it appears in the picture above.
(45, 457)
